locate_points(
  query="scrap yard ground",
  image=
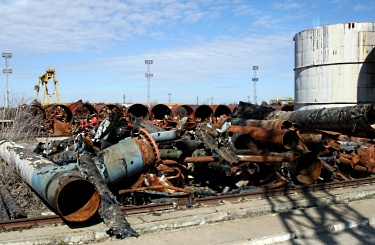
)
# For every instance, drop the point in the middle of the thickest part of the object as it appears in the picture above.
(337, 216)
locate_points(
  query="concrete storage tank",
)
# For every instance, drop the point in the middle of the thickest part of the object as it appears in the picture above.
(334, 66)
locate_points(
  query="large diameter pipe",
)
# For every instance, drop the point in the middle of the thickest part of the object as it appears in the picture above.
(73, 197)
(159, 111)
(274, 124)
(357, 119)
(270, 138)
(128, 157)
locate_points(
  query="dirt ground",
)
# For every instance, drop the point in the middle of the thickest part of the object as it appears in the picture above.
(23, 194)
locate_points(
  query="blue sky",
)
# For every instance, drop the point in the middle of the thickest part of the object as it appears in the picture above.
(200, 49)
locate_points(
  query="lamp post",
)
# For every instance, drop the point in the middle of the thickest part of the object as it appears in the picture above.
(169, 99)
(255, 80)
(148, 75)
(7, 71)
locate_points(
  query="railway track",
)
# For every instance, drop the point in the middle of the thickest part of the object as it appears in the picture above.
(27, 223)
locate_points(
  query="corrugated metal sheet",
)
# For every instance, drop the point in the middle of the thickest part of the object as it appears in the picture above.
(334, 65)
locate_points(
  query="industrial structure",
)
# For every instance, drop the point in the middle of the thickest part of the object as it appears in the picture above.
(7, 71)
(148, 75)
(334, 65)
(43, 81)
(255, 80)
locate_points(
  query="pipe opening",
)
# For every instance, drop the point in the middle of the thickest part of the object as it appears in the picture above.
(286, 125)
(371, 117)
(77, 200)
(222, 110)
(138, 110)
(160, 111)
(203, 112)
(241, 141)
(290, 140)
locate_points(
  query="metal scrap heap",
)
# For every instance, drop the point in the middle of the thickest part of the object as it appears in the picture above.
(133, 160)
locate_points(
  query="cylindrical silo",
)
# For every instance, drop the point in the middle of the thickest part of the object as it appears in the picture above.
(334, 66)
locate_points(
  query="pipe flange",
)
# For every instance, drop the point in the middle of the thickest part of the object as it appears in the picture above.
(152, 141)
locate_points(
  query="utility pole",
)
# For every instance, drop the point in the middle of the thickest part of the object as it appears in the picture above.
(148, 75)
(124, 97)
(7, 71)
(169, 99)
(255, 80)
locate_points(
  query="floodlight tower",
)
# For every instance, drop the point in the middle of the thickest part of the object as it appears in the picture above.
(7, 71)
(255, 80)
(149, 75)
(169, 99)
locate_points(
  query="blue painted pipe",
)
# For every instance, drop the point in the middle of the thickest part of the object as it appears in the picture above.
(127, 157)
(62, 187)
(167, 135)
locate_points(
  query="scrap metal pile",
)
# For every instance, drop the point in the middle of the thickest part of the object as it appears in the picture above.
(137, 158)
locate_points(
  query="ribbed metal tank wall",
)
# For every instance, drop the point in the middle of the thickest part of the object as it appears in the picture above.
(334, 66)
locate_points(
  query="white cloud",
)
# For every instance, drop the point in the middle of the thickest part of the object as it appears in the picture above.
(44, 25)
(287, 5)
(362, 7)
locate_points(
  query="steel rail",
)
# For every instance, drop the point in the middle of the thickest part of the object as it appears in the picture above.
(151, 208)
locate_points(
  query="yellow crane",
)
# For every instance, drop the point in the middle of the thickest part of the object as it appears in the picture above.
(43, 80)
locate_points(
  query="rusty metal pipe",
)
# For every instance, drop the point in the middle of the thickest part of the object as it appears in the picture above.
(138, 110)
(156, 187)
(274, 124)
(242, 158)
(357, 119)
(202, 111)
(183, 110)
(354, 120)
(334, 170)
(3, 211)
(159, 111)
(14, 209)
(62, 187)
(269, 138)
